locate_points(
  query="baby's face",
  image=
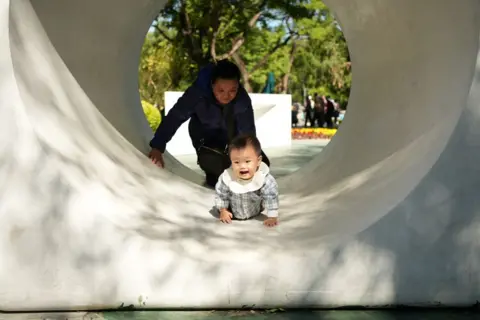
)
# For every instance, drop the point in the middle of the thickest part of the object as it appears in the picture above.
(245, 162)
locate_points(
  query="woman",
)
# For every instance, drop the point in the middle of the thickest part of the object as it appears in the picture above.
(219, 108)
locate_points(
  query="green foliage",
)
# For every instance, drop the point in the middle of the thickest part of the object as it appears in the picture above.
(152, 114)
(296, 40)
(154, 69)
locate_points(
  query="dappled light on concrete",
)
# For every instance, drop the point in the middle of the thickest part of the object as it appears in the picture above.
(387, 214)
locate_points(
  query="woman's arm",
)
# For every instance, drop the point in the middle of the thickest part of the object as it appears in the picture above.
(181, 112)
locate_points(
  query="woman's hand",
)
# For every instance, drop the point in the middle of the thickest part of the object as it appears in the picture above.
(157, 157)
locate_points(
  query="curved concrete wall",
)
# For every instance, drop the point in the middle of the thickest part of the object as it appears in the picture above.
(88, 222)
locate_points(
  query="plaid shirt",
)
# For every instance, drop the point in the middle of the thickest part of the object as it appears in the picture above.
(249, 204)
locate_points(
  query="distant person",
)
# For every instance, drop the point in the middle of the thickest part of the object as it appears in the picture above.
(309, 111)
(330, 112)
(319, 110)
(294, 115)
(219, 108)
(247, 188)
(336, 113)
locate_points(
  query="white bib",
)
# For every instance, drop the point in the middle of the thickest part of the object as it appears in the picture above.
(244, 186)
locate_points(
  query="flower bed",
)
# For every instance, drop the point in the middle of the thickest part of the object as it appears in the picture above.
(312, 133)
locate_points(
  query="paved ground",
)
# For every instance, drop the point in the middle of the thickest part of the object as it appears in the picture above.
(249, 315)
(283, 160)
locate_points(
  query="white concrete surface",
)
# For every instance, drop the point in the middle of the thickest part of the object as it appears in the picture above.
(87, 221)
(272, 119)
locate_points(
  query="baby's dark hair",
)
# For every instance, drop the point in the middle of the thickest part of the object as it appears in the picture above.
(244, 140)
(225, 69)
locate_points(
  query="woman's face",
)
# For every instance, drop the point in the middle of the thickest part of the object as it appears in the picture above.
(225, 90)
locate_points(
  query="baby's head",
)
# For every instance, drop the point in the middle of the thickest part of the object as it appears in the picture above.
(246, 156)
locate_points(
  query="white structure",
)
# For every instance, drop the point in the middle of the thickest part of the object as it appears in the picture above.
(388, 213)
(272, 118)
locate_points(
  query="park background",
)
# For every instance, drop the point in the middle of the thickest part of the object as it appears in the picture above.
(295, 48)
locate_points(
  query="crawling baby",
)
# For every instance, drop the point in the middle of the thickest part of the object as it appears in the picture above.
(247, 188)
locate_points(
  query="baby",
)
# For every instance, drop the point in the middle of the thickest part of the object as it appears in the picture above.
(246, 188)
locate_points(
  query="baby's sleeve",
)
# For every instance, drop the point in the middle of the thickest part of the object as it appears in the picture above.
(270, 196)
(222, 195)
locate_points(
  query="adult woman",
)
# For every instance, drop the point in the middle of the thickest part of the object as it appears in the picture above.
(218, 108)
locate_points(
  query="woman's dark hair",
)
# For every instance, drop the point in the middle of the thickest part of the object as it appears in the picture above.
(225, 69)
(244, 140)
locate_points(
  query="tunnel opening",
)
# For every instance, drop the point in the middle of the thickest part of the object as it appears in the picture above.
(294, 63)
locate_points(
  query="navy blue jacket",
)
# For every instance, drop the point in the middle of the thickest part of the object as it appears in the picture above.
(207, 122)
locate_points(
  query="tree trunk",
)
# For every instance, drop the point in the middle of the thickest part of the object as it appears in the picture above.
(243, 70)
(286, 76)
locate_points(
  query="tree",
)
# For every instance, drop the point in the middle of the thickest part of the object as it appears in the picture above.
(152, 115)
(301, 22)
(209, 29)
(298, 41)
(217, 29)
(261, 49)
(322, 61)
(154, 70)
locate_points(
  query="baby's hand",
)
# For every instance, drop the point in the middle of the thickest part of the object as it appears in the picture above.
(226, 216)
(270, 222)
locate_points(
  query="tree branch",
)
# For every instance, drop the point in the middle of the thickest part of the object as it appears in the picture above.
(213, 41)
(286, 76)
(243, 69)
(254, 19)
(213, 44)
(186, 19)
(239, 61)
(188, 32)
(269, 53)
(237, 43)
(240, 39)
(163, 33)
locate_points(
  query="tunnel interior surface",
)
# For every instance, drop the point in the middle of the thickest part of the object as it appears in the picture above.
(387, 214)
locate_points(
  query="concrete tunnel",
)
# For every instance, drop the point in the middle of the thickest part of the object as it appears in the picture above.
(88, 222)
